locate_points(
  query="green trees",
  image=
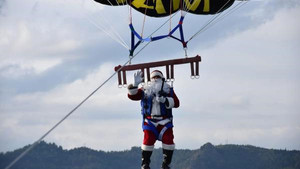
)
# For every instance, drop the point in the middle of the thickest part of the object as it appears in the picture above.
(51, 156)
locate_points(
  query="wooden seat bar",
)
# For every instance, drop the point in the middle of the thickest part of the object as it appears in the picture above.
(169, 64)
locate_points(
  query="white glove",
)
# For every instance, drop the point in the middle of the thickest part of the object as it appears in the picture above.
(161, 99)
(138, 78)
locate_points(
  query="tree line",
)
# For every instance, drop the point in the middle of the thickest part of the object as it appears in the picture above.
(51, 156)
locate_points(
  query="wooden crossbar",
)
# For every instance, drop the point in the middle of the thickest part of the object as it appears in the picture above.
(169, 64)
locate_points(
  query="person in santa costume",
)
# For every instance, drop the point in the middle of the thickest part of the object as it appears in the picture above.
(157, 100)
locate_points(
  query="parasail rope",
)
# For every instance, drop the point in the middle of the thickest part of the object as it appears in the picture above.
(162, 24)
(170, 25)
(144, 21)
(115, 32)
(117, 2)
(130, 12)
(209, 22)
(112, 32)
(235, 8)
(186, 7)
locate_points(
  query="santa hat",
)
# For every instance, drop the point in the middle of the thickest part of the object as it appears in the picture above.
(156, 73)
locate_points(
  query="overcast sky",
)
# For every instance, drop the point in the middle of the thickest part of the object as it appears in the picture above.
(53, 55)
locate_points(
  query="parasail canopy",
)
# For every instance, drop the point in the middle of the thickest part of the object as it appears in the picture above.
(161, 8)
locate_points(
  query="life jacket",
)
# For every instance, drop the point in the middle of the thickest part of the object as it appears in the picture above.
(146, 104)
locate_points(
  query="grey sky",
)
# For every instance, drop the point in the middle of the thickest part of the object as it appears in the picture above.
(52, 57)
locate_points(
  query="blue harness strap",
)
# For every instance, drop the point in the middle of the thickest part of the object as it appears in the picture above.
(150, 39)
(152, 128)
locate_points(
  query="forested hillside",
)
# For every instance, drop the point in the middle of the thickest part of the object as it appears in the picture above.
(51, 156)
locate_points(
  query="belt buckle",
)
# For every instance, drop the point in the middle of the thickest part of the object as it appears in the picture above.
(157, 117)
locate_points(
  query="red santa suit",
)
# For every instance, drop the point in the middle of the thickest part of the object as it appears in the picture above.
(157, 112)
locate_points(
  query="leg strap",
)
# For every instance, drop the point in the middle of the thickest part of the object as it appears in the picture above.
(162, 132)
(152, 128)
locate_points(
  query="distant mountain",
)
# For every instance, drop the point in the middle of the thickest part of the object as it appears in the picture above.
(50, 156)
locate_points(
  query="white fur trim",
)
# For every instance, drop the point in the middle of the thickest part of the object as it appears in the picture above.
(147, 148)
(132, 91)
(156, 73)
(171, 102)
(168, 146)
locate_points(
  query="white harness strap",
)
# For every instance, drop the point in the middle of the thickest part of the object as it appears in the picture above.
(161, 122)
(162, 132)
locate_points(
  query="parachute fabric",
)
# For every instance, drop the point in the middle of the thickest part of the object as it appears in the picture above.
(162, 8)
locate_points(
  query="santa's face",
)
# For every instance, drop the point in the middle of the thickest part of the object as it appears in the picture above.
(156, 80)
(153, 87)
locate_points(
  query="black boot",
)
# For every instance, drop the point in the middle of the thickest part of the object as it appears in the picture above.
(167, 159)
(146, 159)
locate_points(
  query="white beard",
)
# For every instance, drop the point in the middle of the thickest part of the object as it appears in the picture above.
(154, 87)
